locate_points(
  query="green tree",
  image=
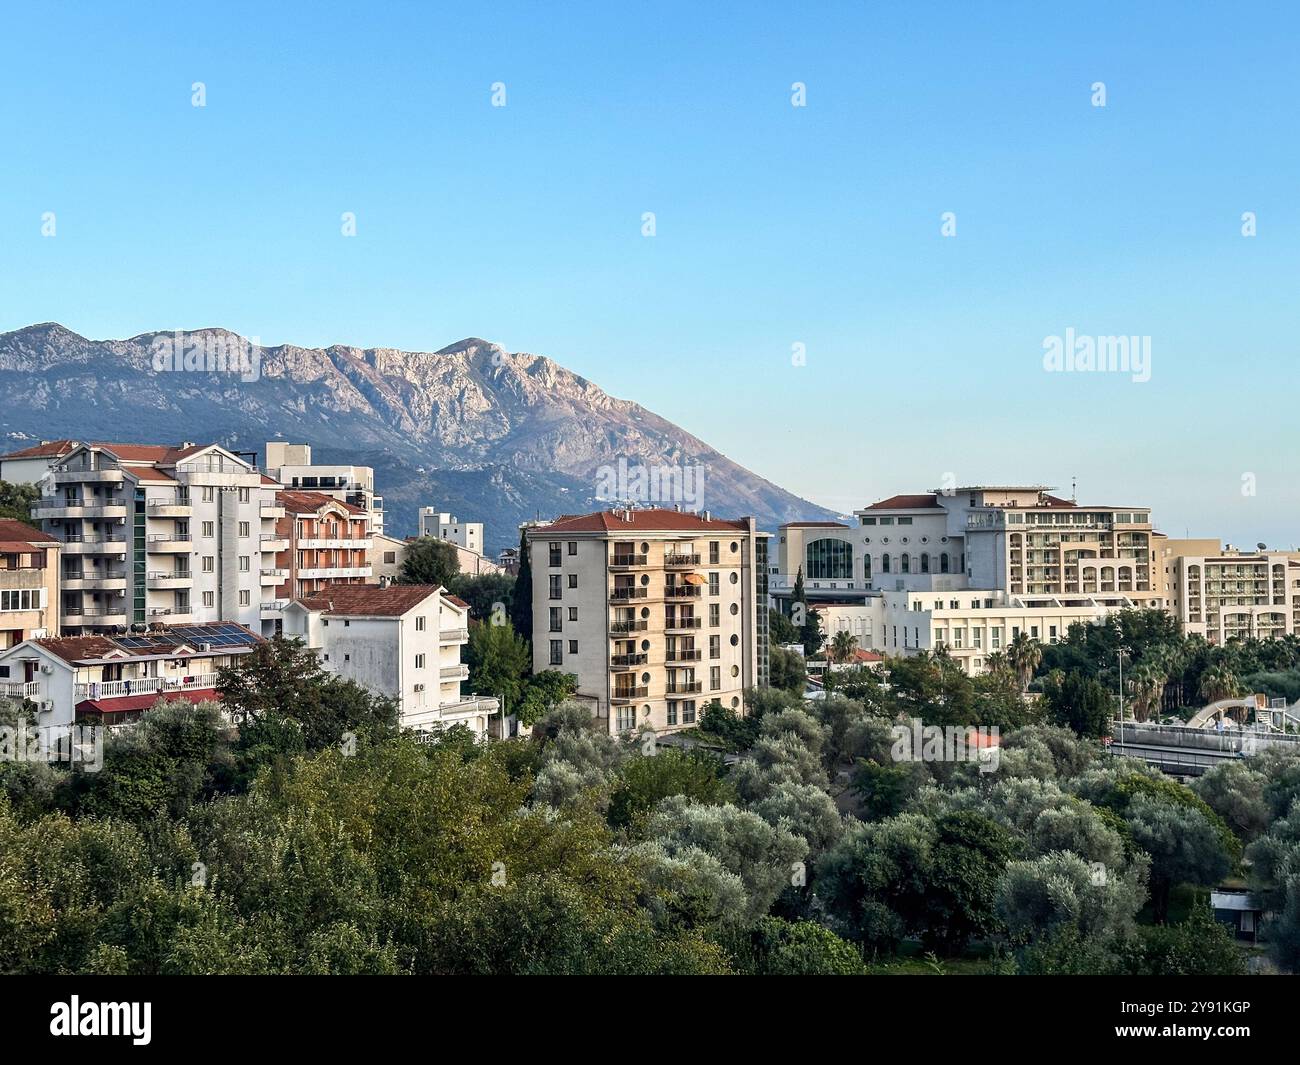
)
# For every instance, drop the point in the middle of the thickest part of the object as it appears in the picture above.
(786, 670)
(521, 604)
(1024, 655)
(484, 592)
(429, 561)
(499, 662)
(543, 692)
(16, 501)
(644, 781)
(780, 630)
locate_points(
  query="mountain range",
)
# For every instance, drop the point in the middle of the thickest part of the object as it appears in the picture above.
(487, 434)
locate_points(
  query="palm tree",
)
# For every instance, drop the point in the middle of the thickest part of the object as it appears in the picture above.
(1148, 689)
(1024, 655)
(842, 647)
(1219, 682)
(996, 662)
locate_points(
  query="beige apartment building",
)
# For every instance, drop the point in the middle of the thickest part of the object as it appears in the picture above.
(29, 584)
(657, 612)
(1237, 594)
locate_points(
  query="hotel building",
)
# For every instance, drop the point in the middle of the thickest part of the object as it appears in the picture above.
(29, 583)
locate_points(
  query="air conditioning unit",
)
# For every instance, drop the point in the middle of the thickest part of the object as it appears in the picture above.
(207, 647)
(45, 706)
(419, 687)
(121, 521)
(46, 668)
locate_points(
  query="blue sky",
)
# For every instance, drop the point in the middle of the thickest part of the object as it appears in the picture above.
(775, 225)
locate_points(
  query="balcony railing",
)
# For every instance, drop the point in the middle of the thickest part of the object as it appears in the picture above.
(618, 628)
(618, 594)
(683, 591)
(676, 559)
(687, 688)
(628, 560)
(627, 661)
(682, 623)
(683, 656)
(453, 635)
(116, 689)
(623, 695)
(17, 689)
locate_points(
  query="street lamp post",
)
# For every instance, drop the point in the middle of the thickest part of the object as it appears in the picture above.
(1120, 653)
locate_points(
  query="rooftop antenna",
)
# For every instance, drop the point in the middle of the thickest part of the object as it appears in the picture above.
(1074, 489)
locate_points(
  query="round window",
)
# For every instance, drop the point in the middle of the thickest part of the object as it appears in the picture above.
(904, 539)
(645, 578)
(735, 577)
(645, 611)
(734, 547)
(645, 710)
(645, 678)
(735, 701)
(925, 539)
(734, 640)
(735, 608)
(735, 671)
(645, 550)
(645, 645)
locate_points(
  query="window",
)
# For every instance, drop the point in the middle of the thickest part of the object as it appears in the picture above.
(943, 562)
(866, 567)
(244, 563)
(390, 558)
(715, 678)
(209, 493)
(208, 563)
(419, 623)
(828, 559)
(573, 547)
(884, 563)
(556, 591)
(573, 613)
(244, 495)
(573, 580)
(868, 521)
(243, 528)
(208, 528)
(672, 713)
(209, 599)
(925, 562)
(715, 615)
(419, 661)
(555, 554)
(713, 584)
(245, 597)
(713, 552)
(557, 620)
(573, 647)
(688, 712)
(715, 646)
(907, 563)
(626, 718)
(557, 652)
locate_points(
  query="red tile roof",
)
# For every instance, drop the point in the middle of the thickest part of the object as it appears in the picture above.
(149, 473)
(45, 449)
(458, 601)
(116, 705)
(297, 502)
(17, 532)
(369, 600)
(77, 648)
(906, 502)
(651, 519)
(814, 525)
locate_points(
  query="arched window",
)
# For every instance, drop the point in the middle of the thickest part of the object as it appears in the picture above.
(829, 560)
(943, 562)
(884, 563)
(866, 567)
(907, 563)
(925, 562)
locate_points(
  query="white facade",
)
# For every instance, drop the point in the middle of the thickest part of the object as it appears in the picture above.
(401, 641)
(156, 534)
(444, 526)
(291, 465)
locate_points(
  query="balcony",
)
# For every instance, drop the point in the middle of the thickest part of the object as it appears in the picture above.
(114, 580)
(620, 628)
(460, 672)
(334, 571)
(117, 689)
(170, 508)
(453, 635)
(273, 608)
(169, 542)
(272, 577)
(673, 623)
(627, 561)
(169, 580)
(683, 656)
(676, 559)
(54, 507)
(344, 543)
(683, 591)
(171, 615)
(275, 541)
(626, 695)
(627, 661)
(620, 595)
(687, 688)
(77, 544)
(113, 476)
(76, 616)
(17, 689)
(272, 510)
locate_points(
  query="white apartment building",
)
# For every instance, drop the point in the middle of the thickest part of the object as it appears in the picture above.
(112, 680)
(30, 464)
(291, 466)
(388, 553)
(154, 534)
(402, 641)
(444, 526)
(657, 612)
(29, 583)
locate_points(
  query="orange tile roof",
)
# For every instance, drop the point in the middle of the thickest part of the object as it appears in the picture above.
(298, 502)
(45, 449)
(651, 519)
(906, 502)
(369, 600)
(814, 525)
(19, 532)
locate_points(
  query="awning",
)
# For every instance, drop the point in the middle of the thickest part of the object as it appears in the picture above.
(144, 702)
(695, 578)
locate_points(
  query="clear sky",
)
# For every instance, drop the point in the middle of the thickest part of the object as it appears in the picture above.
(775, 225)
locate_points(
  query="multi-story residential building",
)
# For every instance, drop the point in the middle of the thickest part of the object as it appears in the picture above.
(112, 680)
(656, 612)
(444, 526)
(31, 464)
(291, 466)
(388, 553)
(155, 534)
(326, 542)
(828, 556)
(402, 641)
(29, 583)
(1227, 594)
